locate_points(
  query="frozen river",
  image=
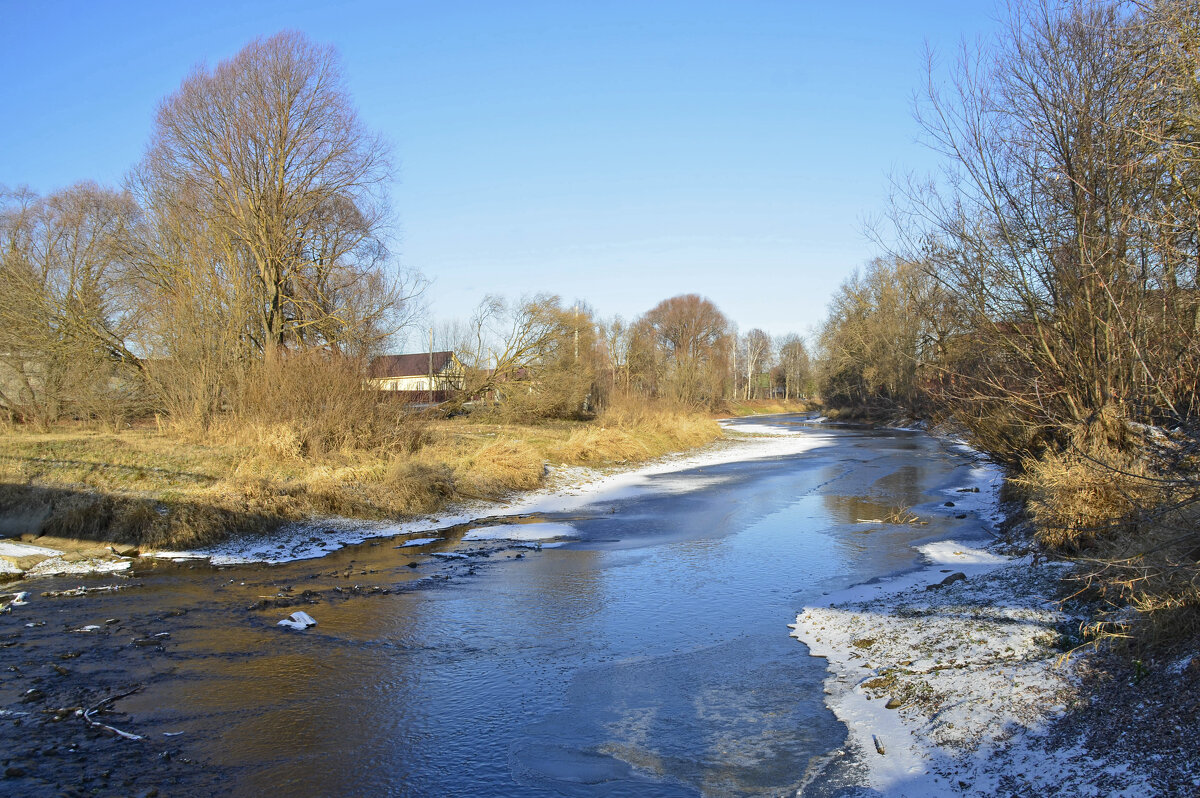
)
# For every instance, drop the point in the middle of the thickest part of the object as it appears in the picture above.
(642, 650)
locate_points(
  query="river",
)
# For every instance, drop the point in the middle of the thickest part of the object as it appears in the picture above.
(642, 649)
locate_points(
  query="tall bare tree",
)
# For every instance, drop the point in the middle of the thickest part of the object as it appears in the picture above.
(794, 365)
(268, 181)
(533, 354)
(872, 342)
(1063, 248)
(758, 351)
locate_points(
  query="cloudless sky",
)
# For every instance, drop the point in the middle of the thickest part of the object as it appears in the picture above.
(612, 152)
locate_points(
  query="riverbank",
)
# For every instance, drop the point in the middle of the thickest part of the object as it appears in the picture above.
(147, 489)
(566, 488)
(966, 677)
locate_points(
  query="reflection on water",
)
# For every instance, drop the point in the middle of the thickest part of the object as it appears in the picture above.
(648, 655)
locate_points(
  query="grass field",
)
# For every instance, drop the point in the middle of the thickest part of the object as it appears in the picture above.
(158, 488)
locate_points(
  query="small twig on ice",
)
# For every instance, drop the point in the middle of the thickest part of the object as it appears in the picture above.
(87, 716)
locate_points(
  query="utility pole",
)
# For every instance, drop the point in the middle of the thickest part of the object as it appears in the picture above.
(431, 365)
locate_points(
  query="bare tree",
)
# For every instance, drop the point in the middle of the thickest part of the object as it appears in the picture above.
(617, 345)
(1058, 234)
(267, 180)
(65, 315)
(692, 334)
(758, 351)
(871, 343)
(795, 366)
(526, 354)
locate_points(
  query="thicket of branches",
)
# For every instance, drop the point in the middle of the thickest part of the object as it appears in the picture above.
(541, 359)
(1043, 289)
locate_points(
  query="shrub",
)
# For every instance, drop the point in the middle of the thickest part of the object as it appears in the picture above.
(310, 405)
(418, 487)
(500, 467)
(1091, 488)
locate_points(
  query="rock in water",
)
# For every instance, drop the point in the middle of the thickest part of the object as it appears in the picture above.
(298, 620)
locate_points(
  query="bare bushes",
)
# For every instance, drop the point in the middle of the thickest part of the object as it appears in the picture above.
(312, 405)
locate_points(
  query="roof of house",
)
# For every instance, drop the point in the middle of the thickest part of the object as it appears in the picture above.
(415, 365)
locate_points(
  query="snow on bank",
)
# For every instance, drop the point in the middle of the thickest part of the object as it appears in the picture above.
(570, 489)
(952, 687)
(12, 548)
(19, 559)
(59, 566)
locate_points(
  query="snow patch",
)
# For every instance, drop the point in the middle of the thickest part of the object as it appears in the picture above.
(177, 556)
(10, 548)
(958, 682)
(947, 552)
(1181, 665)
(56, 566)
(298, 620)
(522, 532)
(418, 542)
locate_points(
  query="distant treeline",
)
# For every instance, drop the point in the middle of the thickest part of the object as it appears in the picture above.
(252, 236)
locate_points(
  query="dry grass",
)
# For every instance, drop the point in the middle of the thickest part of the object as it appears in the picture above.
(1090, 489)
(600, 444)
(501, 466)
(758, 407)
(170, 487)
(415, 487)
(1125, 503)
(631, 432)
(1153, 567)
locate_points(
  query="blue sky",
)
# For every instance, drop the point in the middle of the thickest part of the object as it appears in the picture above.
(612, 152)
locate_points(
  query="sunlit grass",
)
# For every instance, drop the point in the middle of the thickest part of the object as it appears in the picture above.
(162, 488)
